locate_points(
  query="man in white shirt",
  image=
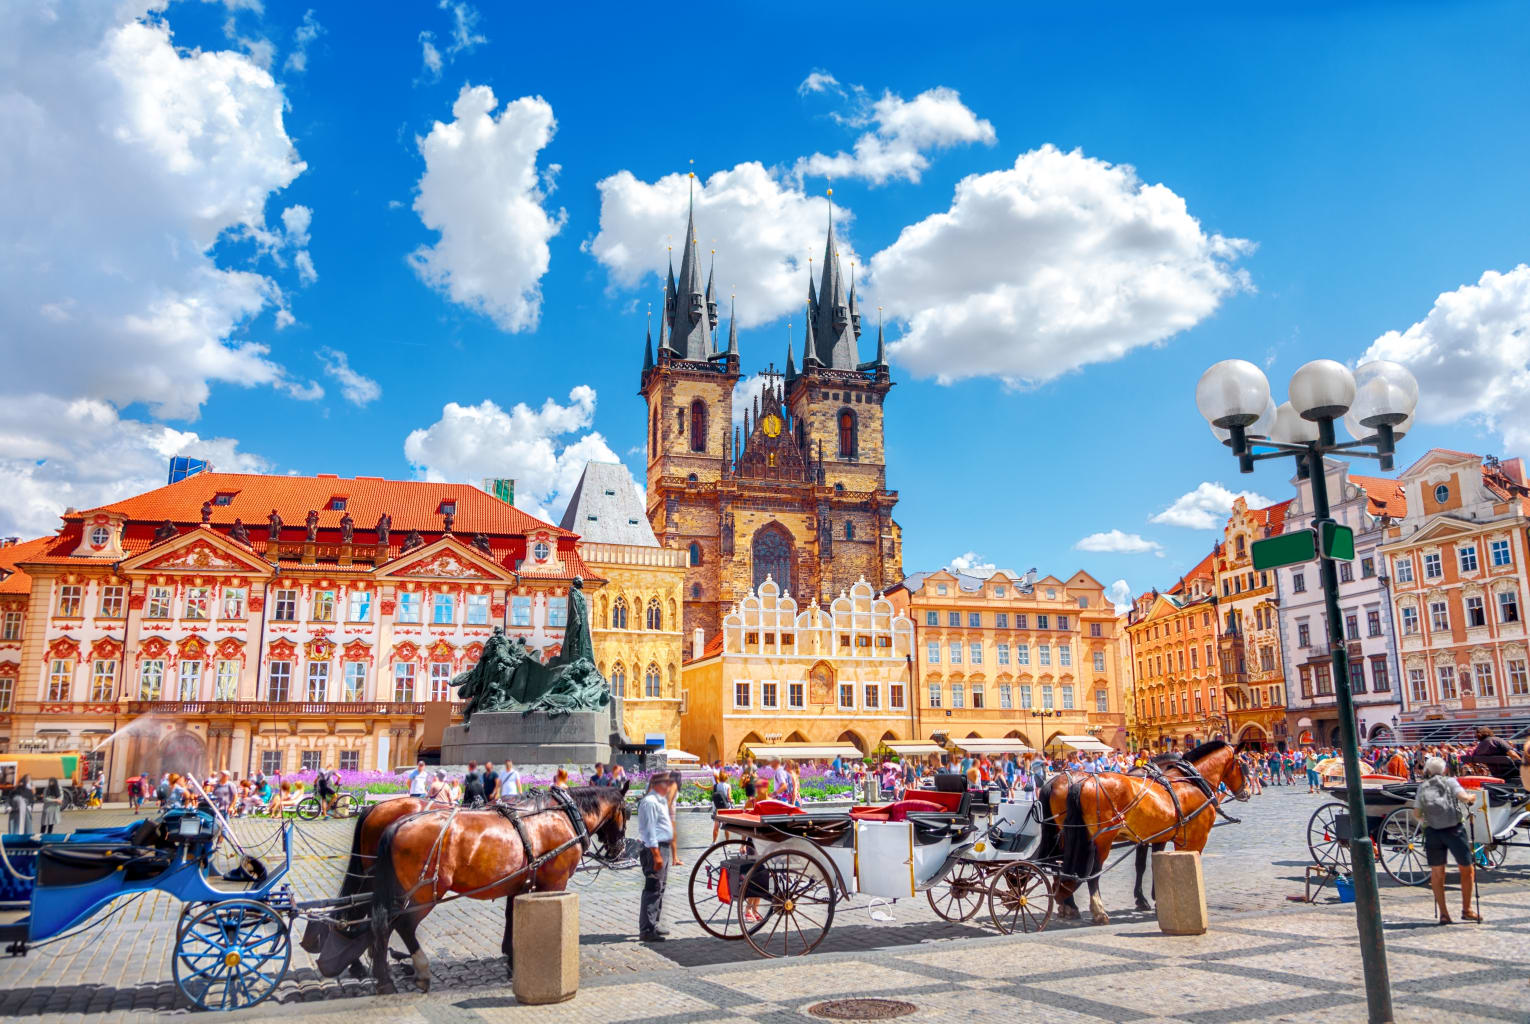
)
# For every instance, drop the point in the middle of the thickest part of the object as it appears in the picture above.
(419, 780)
(656, 830)
(510, 782)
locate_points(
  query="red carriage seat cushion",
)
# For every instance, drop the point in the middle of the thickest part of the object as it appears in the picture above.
(950, 802)
(764, 807)
(898, 811)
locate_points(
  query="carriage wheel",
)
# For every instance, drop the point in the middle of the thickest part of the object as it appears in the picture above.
(308, 808)
(1020, 898)
(231, 955)
(718, 918)
(1328, 850)
(1400, 840)
(796, 900)
(960, 894)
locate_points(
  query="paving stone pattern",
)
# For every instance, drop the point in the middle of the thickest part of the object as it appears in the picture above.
(1265, 958)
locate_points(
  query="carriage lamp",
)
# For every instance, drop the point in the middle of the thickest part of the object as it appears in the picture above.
(1375, 401)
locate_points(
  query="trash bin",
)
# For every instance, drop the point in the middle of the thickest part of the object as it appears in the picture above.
(871, 790)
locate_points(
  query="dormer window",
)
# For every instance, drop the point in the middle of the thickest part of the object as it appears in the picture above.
(100, 536)
(540, 551)
(224, 498)
(448, 508)
(337, 504)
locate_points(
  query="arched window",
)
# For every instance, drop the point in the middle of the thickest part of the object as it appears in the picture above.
(698, 426)
(772, 552)
(619, 680)
(849, 530)
(696, 590)
(653, 434)
(655, 617)
(846, 434)
(619, 614)
(693, 478)
(680, 422)
(695, 553)
(651, 681)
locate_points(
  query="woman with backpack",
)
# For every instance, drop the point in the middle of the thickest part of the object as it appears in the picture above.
(1440, 804)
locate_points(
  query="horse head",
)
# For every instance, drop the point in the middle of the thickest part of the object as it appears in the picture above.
(1218, 761)
(610, 824)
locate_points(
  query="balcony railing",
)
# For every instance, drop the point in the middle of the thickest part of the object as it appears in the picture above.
(269, 709)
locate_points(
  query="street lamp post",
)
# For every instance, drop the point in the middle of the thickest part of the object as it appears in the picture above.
(1376, 402)
(1043, 714)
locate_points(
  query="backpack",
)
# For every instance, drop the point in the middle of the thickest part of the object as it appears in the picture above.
(163, 792)
(1436, 803)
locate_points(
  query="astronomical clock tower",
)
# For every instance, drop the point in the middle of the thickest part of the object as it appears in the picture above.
(797, 493)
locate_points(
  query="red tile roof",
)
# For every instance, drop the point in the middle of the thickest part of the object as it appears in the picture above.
(712, 649)
(1384, 497)
(1202, 568)
(1272, 516)
(16, 581)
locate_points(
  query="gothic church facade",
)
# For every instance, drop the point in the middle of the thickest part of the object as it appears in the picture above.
(799, 492)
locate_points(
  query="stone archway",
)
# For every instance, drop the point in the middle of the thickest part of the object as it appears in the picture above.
(184, 753)
(853, 738)
(771, 555)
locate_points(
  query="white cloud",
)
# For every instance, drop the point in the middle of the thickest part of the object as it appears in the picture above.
(1120, 543)
(819, 81)
(464, 37)
(56, 453)
(1206, 507)
(303, 37)
(139, 158)
(354, 387)
(1056, 263)
(533, 446)
(1119, 593)
(902, 133)
(764, 231)
(1471, 354)
(430, 57)
(744, 393)
(972, 564)
(481, 191)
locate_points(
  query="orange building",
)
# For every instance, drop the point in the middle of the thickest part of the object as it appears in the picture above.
(1175, 657)
(1248, 650)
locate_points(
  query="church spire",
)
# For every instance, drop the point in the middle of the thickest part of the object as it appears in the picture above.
(833, 329)
(711, 301)
(791, 366)
(689, 325)
(648, 343)
(733, 326)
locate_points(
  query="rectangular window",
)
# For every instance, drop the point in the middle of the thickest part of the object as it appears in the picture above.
(440, 681)
(226, 682)
(410, 605)
(873, 696)
(1023, 655)
(60, 676)
(1352, 627)
(1099, 660)
(1466, 556)
(1003, 654)
(279, 682)
(978, 697)
(1418, 689)
(520, 611)
(1380, 681)
(403, 682)
(975, 654)
(310, 760)
(975, 620)
(322, 609)
(1357, 676)
(1409, 621)
(1346, 572)
(1046, 698)
(741, 693)
(1404, 567)
(233, 603)
(158, 604)
(1367, 568)
(1020, 620)
(768, 694)
(1485, 686)
(103, 680)
(1041, 622)
(1102, 701)
(1195, 661)
(795, 695)
(1025, 696)
(1006, 696)
(958, 696)
(956, 654)
(1303, 634)
(1044, 655)
(895, 696)
(1067, 697)
(934, 695)
(1062, 622)
(318, 681)
(478, 610)
(443, 610)
(1499, 550)
(271, 762)
(1323, 673)
(1519, 679)
(1508, 606)
(1065, 657)
(953, 618)
(1373, 623)
(286, 606)
(1001, 619)
(197, 601)
(355, 681)
(1306, 674)
(360, 609)
(557, 612)
(190, 681)
(1439, 617)
(11, 629)
(350, 760)
(1299, 582)
(932, 618)
(933, 651)
(1197, 701)
(70, 600)
(1433, 569)
(1447, 678)
(113, 600)
(1095, 629)
(1476, 613)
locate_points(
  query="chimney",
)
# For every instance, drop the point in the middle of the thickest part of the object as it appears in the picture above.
(6, 542)
(698, 642)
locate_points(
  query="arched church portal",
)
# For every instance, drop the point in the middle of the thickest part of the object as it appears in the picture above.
(772, 554)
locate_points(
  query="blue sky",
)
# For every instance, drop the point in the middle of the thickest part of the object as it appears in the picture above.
(1370, 158)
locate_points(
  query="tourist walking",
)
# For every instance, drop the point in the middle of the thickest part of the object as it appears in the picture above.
(490, 783)
(419, 780)
(1440, 804)
(19, 821)
(510, 783)
(472, 786)
(722, 798)
(52, 806)
(656, 830)
(1311, 764)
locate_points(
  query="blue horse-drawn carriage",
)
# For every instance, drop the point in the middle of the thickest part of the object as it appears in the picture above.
(232, 944)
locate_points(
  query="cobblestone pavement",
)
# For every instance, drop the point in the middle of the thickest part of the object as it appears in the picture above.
(1266, 958)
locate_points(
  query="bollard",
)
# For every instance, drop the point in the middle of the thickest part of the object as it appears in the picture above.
(546, 947)
(1180, 893)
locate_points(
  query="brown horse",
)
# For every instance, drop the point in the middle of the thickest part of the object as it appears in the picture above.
(1096, 810)
(483, 855)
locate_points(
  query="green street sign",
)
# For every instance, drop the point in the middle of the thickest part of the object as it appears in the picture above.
(1335, 541)
(1285, 549)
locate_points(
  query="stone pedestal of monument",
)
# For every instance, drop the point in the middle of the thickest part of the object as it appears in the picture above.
(579, 737)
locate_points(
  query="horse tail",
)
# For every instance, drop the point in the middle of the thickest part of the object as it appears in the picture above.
(1051, 836)
(358, 874)
(387, 894)
(1077, 843)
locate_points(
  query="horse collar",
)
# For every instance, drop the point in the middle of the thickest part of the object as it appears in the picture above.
(575, 818)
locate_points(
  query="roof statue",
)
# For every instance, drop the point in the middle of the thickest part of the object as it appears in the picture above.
(508, 676)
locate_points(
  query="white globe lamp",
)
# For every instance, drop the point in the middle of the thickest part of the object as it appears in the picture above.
(1232, 393)
(1323, 389)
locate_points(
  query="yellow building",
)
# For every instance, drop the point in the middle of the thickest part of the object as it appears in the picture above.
(1010, 656)
(635, 617)
(775, 674)
(1248, 643)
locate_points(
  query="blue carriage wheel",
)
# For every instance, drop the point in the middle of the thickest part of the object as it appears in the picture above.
(231, 955)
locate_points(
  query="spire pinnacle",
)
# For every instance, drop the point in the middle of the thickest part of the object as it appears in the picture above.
(648, 342)
(733, 326)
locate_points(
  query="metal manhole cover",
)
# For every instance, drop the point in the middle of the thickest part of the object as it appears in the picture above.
(861, 1009)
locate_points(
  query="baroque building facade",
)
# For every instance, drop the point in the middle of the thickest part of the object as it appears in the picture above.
(1009, 656)
(1249, 650)
(1175, 658)
(798, 493)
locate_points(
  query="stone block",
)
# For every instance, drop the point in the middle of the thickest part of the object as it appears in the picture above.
(581, 737)
(1180, 892)
(546, 947)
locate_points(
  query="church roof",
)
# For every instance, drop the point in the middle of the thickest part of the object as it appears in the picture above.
(606, 508)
